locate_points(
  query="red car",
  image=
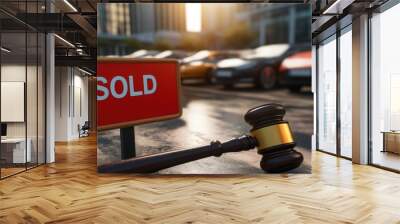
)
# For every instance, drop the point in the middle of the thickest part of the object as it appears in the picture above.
(295, 71)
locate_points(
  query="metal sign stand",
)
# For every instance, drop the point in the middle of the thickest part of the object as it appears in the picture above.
(128, 149)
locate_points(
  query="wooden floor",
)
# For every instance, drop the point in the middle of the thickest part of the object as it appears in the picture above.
(70, 191)
(8, 171)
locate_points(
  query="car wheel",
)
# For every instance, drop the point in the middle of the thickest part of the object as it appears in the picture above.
(294, 89)
(267, 78)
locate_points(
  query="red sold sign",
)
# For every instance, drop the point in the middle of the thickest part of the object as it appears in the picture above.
(136, 91)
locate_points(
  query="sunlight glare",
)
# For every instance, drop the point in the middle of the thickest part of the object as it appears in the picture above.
(193, 17)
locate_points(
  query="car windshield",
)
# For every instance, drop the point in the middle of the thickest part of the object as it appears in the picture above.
(201, 55)
(137, 54)
(221, 56)
(141, 54)
(164, 54)
(268, 51)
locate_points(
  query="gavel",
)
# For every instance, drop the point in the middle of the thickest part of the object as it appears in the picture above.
(270, 134)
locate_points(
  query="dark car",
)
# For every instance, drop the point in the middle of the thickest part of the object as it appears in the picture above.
(295, 71)
(259, 67)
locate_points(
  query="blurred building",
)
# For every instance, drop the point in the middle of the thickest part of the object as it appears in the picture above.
(120, 19)
(163, 21)
(217, 16)
(121, 24)
(278, 23)
(271, 23)
(114, 26)
(115, 19)
(169, 17)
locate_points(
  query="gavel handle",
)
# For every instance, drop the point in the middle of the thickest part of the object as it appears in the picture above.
(153, 163)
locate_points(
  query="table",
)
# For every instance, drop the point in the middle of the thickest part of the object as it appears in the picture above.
(391, 141)
(13, 150)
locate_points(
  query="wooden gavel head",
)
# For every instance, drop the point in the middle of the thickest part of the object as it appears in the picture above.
(274, 138)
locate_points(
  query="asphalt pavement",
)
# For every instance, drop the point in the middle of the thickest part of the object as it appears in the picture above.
(214, 113)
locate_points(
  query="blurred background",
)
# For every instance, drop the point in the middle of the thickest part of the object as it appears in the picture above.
(125, 28)
(232, 57)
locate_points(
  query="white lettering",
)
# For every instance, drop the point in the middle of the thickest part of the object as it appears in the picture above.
(128, 84)
(146, 90)
(102, 88)
(132, 88)
(124, 87)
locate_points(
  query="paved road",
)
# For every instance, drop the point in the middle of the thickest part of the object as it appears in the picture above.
(212, 113)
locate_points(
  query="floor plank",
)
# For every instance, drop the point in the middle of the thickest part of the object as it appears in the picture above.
(71, 191)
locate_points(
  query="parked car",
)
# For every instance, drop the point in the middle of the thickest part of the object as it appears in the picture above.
(259, 67)
(202, 64)
(295, 71)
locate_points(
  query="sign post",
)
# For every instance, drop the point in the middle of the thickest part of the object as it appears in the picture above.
(134, 91)
(127, 136)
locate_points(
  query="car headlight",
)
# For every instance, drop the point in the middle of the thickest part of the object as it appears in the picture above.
(233, 62)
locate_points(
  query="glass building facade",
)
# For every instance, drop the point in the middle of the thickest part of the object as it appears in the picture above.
(385, 89)
(357, 82)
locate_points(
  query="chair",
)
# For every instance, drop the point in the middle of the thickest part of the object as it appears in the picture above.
(84, 130)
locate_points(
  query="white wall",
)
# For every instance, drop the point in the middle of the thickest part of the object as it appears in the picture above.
(14, 72)
(71, 93)
(81, 82)
(61, 103)
(50, 93)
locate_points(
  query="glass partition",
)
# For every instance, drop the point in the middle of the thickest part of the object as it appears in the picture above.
(15, 150)
(22, 90)
(346, 92)
(327, 95)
